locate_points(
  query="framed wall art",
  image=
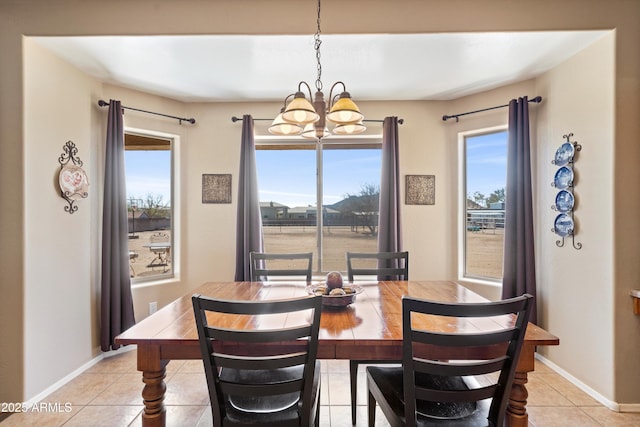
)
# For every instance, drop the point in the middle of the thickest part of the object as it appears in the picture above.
(420, 190)
(216, 188)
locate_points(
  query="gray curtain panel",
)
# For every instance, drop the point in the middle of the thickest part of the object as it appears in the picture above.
(249, 225)
(519, 274)
(389, 235)
(116, 313)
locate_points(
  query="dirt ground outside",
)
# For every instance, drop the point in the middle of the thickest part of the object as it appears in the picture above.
(484, 253)
(484, 249)
(143, 262)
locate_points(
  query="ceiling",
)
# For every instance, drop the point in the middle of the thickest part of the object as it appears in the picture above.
(223, 68)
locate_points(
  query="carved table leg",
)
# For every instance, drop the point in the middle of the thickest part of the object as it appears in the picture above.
(153, 397)
(154, 371)
(516, 408)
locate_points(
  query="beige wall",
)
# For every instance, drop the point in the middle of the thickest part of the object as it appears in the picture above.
(29, 161)
(59, 251)
(576, 286)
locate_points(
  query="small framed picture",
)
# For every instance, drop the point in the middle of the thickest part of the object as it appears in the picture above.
(216, 188)
(420, 190)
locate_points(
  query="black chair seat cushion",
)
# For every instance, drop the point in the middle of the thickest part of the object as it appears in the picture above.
(389, 381)
(275, 409)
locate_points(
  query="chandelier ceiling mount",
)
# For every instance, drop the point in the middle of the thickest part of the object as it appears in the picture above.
(302, 117)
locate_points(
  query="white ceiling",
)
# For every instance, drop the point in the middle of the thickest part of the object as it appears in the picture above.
(267, 68)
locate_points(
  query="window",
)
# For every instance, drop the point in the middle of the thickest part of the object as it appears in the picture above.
(484, 168)
(149, 180)
(342, 178)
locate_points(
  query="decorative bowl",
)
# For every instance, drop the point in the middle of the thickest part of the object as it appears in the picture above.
(335, 301)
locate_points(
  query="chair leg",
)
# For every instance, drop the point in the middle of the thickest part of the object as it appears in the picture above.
(316, 421)
(371, 410)
(353, 376)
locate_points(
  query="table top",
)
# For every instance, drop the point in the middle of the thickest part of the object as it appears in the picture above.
(375, 318)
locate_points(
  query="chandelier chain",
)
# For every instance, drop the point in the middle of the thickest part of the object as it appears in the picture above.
(316, 45)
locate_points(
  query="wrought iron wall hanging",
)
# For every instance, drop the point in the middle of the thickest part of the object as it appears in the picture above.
(564, 223)
(72, 178)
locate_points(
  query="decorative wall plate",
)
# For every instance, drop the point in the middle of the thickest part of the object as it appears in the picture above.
(564, 201)
(563, 225)
(73, 182)
(564, 154)
(563, 178)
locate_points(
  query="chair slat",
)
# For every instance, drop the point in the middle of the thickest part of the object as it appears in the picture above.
(435, 367)
(464, 339)
(261, 389)
(259, 363)
(274, 335)
(471, 395)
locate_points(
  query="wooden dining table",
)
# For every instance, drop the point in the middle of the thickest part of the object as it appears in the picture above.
(368, 329)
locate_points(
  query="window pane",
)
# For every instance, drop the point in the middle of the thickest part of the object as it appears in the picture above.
(287, 192)
(351, 187)
(148, 180)
(288, 184)
(486, 170)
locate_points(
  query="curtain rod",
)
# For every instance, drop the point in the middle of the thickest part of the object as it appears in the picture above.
(537, 99)
(102, 103)
(239, 119)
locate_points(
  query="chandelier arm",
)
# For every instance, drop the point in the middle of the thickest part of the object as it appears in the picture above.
(308, 88)
(285, 101)
(331, 97)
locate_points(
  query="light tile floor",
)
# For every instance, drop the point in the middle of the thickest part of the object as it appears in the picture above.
(108, 394)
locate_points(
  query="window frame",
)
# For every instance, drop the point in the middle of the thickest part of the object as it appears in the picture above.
(334, 142)
(462, 204)
(174, 274)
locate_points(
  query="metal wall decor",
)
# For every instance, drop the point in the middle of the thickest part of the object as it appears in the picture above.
(420, 190)
(72, 179)
(564, 223)
(216, 188)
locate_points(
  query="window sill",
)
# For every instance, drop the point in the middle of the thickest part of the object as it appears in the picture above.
(489, 289)
(155, 282)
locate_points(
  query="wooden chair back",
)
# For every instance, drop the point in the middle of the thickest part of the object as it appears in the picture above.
(502, 347)
(265, 265)
(256, 375)
(389, 265)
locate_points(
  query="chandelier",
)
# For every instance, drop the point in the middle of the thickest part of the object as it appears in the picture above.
(302, 117)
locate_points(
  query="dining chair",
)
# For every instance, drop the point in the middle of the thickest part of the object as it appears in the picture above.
(388, 265)
(160, 247)
(453, 392)
(252, 381)
(265, 265)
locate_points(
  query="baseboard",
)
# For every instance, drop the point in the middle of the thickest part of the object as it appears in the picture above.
(55, 386)
(614, 406)
(629, 407)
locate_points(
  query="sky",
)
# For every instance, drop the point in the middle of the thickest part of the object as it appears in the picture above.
(288, 177)
(148, 173)
(486, 162)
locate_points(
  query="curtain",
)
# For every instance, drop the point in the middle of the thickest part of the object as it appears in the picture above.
(116, 301)
(519, 275)
(389, 235)
(249, 222)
